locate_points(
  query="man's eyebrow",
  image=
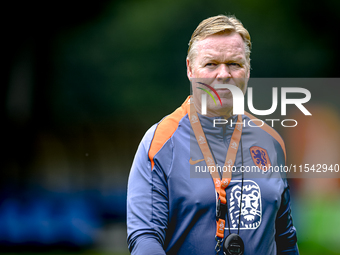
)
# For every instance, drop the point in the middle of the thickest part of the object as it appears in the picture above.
(230, 59)
(238, 59)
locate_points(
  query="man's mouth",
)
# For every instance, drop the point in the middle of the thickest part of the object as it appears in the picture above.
(222, 89)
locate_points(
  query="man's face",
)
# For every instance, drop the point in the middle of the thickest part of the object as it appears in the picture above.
(220, 59)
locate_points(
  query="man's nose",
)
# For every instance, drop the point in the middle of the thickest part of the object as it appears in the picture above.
(224, 74)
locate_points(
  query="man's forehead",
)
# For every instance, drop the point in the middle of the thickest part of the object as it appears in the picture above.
(221, 42)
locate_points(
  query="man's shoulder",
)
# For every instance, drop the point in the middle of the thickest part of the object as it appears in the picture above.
(166, 128)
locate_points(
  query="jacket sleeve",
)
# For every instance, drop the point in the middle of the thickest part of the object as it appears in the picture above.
(147, 203)
(285, 231)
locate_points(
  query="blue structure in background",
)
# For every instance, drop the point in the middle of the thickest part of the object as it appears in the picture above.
(45, 219)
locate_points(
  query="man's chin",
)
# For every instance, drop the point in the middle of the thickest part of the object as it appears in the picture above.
(227, 103)
(219, 110)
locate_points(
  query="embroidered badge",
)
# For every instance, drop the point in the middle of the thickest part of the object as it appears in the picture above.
(260, 157)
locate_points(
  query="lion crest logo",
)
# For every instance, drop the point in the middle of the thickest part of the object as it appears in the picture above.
(260, 157)
(251, 207)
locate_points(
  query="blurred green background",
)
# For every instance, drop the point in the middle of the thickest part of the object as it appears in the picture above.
(84, 81)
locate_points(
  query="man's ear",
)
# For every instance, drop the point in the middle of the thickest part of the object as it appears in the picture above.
(189, 69)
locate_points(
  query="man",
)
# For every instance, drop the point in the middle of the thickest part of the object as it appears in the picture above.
(175, 205)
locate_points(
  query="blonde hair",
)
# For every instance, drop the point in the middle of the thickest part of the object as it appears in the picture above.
(216, 25)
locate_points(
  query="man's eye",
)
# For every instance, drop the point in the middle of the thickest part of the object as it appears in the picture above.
(234, 64)
(209, 64)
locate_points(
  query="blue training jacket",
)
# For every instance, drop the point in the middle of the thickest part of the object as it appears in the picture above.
(171, 202)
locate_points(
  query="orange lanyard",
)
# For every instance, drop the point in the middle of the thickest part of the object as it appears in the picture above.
(220, 184)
